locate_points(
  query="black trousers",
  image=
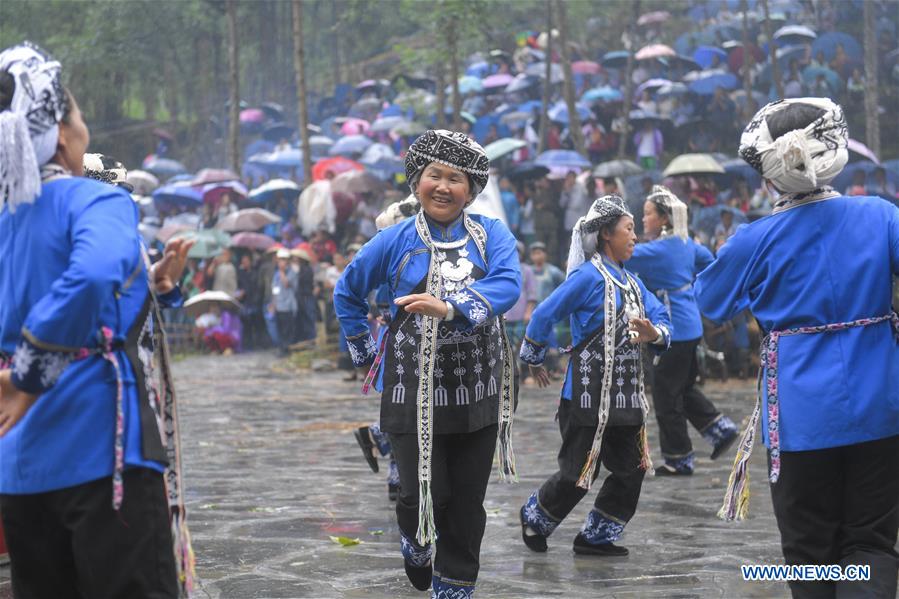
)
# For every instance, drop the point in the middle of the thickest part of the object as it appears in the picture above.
(677, 400)
(460, 470)
(841, 506)
(71, 544)
(619, 454)
(285, 322)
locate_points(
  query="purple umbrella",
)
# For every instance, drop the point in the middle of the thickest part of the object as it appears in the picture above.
(498, 80)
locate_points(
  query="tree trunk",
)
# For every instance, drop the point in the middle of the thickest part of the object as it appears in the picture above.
(872, 116)
(454, 73)
(629, 45)
(772, 52)
(234, 88)
(440, 78)
(574, 120)
(748, 61)
(547, 80)
(300, 70)
(335, 46)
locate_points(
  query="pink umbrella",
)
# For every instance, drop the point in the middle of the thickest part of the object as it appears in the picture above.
(251, 115)
(650, 18)
(654, 51)
(213, 192)
(169, 231)
(498, 80)
(862, 150)
(214, 175)
(252, 241)
(354, 126)
(585, 67)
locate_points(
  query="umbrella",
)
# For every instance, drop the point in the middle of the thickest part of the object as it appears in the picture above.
(706, 86)
(654, 51)
(356, 182)
(467, 85)
(409, 129)
(177, 196)
(273, 110)
(373, 84)
(651, 18)
(705, 55)
(737, 56)
(168, 231)
(522, 82)
(213, 192)
(692, 164)
(538, 69)
(615, 60)
(353, 126)
(416, 99)
(498, 80)
(639, 116)
(798, 33)
(320, 141)
(650, 85)
(163, 134)
(811, 74)
(559, 112)
(527, 170)
(334, 166)
(251, 115)
(386, 123)
(252, 241)
(672, 89)
(207, 242)
(844, 179)
(617, 168)
(585, 67)
(202, 302)
(862, 150)
(279, 161)
(278, 131)
(350, 145)
(504, 146)
(562, 159)
(143, 182)
(268, 190)
(366, 105)
(478, 69)
(163, 166)
(148, 232)
(514, 117)
(735, 167)
(602, 94)
(376, 152)
(249, 219)
(739, 98)
(214, 175)
(384, 167)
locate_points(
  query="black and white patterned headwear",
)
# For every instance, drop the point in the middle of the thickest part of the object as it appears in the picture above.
(397, 212)
(106, 169)
(798, 144)
(605, 210)
(451, 148)
(671, 205)
(29, 128)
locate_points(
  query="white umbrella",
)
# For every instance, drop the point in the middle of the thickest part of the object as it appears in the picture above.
(693, 164)
(249, 219)
(795, 31)
(144, 183)
(202, 302)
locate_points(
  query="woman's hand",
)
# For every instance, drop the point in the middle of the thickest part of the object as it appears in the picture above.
(646, 332)
(14, 403)
(168, 271)
(423, 303)
(540, 375)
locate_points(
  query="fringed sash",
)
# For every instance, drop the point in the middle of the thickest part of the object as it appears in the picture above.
(587, 473)
(736, 498)
(427, 356)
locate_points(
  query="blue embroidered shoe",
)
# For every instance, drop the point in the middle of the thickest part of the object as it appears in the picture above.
(444, 589)
(676, 467)
(582, 547)
(597, 536)
(721, 434)
(537, 522)
(417, 562)
(363, 437)
(534, 541)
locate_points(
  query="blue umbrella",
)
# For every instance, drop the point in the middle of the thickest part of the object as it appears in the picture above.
(828, 43)
(392, 110)
(278, 161)
(704, 56)
(614, 60)
(467, 85)
(529, 106)
(602, 94)
(844, 179)
(479, 69)
(350, 145)
(810, 75)
(384, 168)
(735, 167)
(177, 196)
(707, 85)
(163, 166)
(182, 178)
(521, 83)
(559, 112)
(275, 187)
(562, 159)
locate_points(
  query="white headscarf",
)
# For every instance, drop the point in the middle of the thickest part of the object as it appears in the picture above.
(604, 210)
(29, 128)
(800, 160)
(676, 209)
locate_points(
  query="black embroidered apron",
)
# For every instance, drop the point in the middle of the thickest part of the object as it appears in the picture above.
(467, 374)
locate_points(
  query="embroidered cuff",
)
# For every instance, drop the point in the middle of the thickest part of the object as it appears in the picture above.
(532, 352)
(469, 306)
(35, 370)
(362, 348)
(172, 299)
(664, 341)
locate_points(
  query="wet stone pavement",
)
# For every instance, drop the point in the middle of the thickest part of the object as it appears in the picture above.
(272, 472)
